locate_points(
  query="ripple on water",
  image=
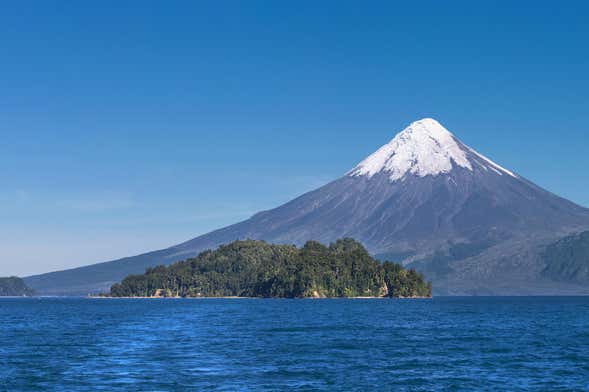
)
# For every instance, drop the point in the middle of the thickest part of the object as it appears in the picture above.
(442, 344)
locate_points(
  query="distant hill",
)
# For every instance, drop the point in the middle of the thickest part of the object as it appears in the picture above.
(259, 269)
(14, 287)
(425, 199)
(568, 259)
(97, 278)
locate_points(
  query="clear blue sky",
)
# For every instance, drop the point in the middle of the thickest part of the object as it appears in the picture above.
(130, 126)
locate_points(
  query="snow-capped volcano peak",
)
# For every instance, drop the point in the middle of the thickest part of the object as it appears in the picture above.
(424, 148)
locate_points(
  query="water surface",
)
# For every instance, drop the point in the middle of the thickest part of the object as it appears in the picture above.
(305, 345)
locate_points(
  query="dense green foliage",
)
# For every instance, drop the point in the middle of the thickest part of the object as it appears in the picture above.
(258, 269)
(14, 287)
(568, 259)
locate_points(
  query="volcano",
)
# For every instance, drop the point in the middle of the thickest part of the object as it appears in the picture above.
(425, 199)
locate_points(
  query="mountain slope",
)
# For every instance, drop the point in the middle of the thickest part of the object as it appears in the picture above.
(568, 259)
(424, 199)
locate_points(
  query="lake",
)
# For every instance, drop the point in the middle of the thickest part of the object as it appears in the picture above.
(475, 343)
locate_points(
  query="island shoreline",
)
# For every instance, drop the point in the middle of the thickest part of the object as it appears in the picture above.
(238, 297)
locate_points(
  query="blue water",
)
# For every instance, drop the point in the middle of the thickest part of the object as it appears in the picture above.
(306, 345)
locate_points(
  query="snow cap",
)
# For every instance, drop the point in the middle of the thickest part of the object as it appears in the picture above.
(424, 148)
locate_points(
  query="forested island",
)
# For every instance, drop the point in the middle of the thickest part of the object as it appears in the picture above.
(14, 287)
(257, 269)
